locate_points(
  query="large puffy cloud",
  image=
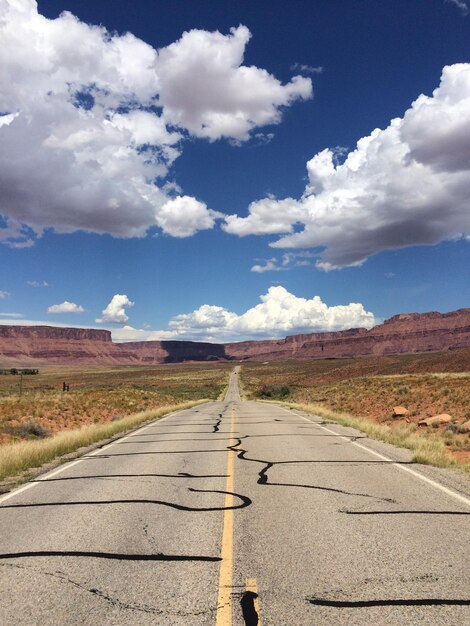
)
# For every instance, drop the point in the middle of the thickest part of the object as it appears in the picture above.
(406, 185)
(279, 313)
(205, 88)
(92, 121)
(64, 161)
(267, 216)
(115, 312)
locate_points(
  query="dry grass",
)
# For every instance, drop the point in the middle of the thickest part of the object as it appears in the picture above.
(44, 423)
(430, 451)
(20, 456)
(362, 386)
(100, 395)
(366, 390)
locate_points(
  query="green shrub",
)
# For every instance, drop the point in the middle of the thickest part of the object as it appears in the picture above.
(274, 392)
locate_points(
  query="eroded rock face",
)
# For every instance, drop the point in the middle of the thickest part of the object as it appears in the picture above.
(405, 333)
(174, 351)
(54, 332)
(37, 345)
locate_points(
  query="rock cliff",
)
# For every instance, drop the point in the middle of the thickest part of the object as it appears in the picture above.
(54, 332)
(404, 333)
(174, 351)
(38, 345)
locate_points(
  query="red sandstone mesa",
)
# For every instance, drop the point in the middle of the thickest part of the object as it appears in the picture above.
(405, 333)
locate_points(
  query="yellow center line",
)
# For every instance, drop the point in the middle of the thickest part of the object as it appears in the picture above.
(251, 586)
(224, 600)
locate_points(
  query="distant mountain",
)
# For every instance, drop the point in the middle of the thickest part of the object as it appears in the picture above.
(401, 334)
(405, 333)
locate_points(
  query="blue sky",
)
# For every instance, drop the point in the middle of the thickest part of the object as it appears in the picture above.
(121, 156)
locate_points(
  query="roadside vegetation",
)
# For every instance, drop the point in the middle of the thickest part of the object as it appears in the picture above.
(40, 422)
(99, 395)
(363, 392)
(19, 456)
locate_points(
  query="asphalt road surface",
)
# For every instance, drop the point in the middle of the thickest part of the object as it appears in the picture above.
(238, 513)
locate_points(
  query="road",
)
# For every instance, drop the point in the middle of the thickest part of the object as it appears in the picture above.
(238, 513)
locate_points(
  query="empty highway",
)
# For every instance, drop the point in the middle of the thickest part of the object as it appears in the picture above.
(238, 513)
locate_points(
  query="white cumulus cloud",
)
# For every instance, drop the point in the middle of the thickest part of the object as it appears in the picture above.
(66, 307)
(184, 216)
(92, 121)
(4, 294)
(115, 312)
(406, 185)
(279, 313)
(205, 89)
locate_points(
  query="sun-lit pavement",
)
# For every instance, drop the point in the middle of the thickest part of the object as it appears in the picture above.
(238, 512)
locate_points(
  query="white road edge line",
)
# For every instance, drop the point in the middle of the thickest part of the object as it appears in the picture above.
(429, 481)
(62, 468)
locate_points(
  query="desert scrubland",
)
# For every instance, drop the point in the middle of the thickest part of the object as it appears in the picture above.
(40, 421)
(369, 388)
(99, 395)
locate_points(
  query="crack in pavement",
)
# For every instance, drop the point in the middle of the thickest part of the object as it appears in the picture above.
(149, 536)
(113, 601)
(182, 432)
(111, 476)
(159, 556)
(263, 474)
(126, 443)
(353, 604)
(359, 585)
(217, 424)
(349, 512)
(245, 501)
(109, 456)
(305, 435)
